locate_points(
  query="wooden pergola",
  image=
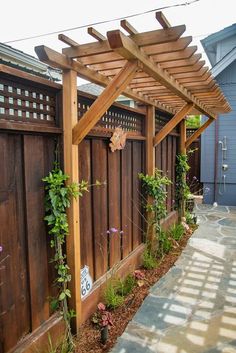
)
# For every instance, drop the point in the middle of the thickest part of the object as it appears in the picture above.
(159, 69)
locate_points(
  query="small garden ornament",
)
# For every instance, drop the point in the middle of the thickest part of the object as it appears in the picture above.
(118, 139)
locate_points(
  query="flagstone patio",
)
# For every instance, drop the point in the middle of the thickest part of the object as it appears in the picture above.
(192, 309)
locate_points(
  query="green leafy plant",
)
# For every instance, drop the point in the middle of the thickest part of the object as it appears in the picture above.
(149, 260)
(154, 187)
(193, 121)
(176, 231)
(57, 200)
(165, 243)
(125, 286)
(111, 297)
(182, 190)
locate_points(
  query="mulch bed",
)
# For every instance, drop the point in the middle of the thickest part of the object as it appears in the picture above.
(89, 339)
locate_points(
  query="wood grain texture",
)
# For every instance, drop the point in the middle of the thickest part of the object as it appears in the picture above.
(126, 199)
(14, 294)
(37, 239)
(86, 211)
(114, 206)
(100, 210)
(71, 168)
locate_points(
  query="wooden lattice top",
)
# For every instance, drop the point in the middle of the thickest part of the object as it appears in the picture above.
(169, 73)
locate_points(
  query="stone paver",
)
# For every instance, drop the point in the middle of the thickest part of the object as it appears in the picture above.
(192, 309)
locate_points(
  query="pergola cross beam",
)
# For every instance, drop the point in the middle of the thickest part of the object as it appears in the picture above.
(198, 132)
(104, 101)
(172, 124)
(61, 61)
(128, 48)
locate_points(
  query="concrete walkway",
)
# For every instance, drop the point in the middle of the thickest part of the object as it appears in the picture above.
(192, 309)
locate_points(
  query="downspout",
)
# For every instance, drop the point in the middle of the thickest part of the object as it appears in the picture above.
(216, 159)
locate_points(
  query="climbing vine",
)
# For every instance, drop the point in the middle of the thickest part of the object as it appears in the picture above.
(57, 200)
(155, 187)
(182, 190)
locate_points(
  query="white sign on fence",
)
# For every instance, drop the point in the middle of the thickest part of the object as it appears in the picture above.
(86, 281)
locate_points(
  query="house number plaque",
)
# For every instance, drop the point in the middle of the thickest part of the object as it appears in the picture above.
(86, 281)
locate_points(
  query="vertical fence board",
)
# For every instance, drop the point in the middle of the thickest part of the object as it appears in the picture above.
(169, 171)
(164, 156)
(86, 229)
(14, 297)
(126, 197)
(100, 216)
(136, 199)
(37, 242)
(114, 205)
(158, 157)
(174, 151)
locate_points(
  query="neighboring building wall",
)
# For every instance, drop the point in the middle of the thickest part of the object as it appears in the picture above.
(227, 127)
(224, 47)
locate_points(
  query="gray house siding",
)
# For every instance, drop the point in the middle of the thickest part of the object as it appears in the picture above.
(224, 46)
(227, 127)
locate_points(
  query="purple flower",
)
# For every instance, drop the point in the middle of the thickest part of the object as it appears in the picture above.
(113, 230)
(194, 178)
(1, 248)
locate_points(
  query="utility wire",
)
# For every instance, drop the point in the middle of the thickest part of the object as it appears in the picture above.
(100, 22)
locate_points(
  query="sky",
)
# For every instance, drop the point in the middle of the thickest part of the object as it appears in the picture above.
(20, 19)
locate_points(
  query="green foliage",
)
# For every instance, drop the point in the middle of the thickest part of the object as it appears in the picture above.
(111, 297)
(191, 219)
(57, 200)
(165, 243)
(193, 122)
(149, 260)
(182, 190)
(155, 186)
(176, 231)
(125, 286)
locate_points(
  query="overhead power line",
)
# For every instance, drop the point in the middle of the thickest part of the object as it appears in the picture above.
(100, 22)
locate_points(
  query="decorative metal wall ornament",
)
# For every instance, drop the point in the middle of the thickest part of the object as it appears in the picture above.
(118, 139)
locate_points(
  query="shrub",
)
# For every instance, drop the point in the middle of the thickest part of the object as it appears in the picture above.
(125, 286)
(165, 243)
(111, 297)
(149, 261)
(177, 231)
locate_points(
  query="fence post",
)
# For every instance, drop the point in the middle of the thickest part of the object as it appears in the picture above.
(71, 168)
(150, 168)
(182, 148)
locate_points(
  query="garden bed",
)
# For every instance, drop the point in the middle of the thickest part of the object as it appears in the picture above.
(89, 338)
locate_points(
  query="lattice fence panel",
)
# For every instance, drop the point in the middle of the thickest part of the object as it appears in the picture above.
(25, 103)
(128, 120)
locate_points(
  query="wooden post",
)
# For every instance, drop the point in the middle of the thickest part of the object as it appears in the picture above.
(150, 168)
(71, 163)
(182, 149)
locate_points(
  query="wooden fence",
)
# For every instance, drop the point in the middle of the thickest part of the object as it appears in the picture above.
(30, 126)
(27, 113)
